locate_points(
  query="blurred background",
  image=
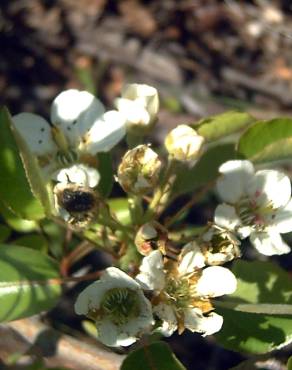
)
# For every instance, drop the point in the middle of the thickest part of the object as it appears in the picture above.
(204, 57)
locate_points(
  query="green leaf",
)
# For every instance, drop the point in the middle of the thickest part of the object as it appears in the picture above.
(156, 356)
(267, 140)
(205, 170)
(120, 207)
(289, 363)
(34, 241)
(221, 125)
(27, 282)
(15, 190)
(106, 174)
(263, 283)
(15, 222)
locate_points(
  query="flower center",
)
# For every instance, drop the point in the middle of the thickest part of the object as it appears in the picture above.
(253, 214)
(178, 290)
(120, 305)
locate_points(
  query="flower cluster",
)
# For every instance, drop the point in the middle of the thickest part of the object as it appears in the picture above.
(172, 281)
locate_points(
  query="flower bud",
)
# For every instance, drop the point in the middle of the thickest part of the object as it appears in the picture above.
(139, 170)
(149, 237)
(219, 245)
(183, 143)
(139, 104)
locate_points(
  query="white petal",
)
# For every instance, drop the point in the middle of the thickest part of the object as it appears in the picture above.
(107, 333)
(78, 174)
(75, 112)
(207, 325)
(133, 111)
(269, 243)
(169, 322)
(225, 216)
(90, 298)
(151, 274)
(36, 132)
(270, 186)
(192, 259)
(231, 186)
(216, 281)
(119, 279)
(105, 133)
(283, 219)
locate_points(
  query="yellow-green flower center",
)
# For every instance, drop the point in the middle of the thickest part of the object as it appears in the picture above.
(120, 305)
(178, 290)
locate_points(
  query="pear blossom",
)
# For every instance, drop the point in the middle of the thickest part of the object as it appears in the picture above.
(139, 103)
(79, 129)
(257, 204)
(182, 292)
(118, 306)
(183, 143)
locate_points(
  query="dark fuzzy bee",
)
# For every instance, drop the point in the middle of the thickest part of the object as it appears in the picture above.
(81, 203)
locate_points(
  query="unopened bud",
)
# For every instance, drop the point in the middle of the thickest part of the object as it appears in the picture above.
(183, 143)
(139, 103)
(219, 245)
(139, 170)
(149, 237)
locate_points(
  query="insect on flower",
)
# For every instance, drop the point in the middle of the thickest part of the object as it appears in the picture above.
(78, 205)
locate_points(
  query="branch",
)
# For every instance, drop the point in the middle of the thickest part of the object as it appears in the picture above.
(29, 336)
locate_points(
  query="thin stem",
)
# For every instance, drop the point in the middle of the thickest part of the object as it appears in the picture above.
(195, 198)
(136, 209)
(162, 194)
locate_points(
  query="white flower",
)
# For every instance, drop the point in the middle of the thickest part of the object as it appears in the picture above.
(79, 126)
(139, 104)
(183, 143)
(258, 204)
(118, 306)
(181, 295)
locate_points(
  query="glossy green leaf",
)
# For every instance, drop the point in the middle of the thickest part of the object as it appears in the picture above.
(105, 169)
(205, 170)
(263, 283)
(156, 356)
(289, 363)
(27, 282)
(33, 241)
(267, 140)
(120, 207)
(221, 125)
(15, 190)
(15, 222)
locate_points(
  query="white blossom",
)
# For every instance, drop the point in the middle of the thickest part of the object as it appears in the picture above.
(79, 127)
(257, 204)
(182, 294)
(139, 103)
(118, 306)
(183, 143)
